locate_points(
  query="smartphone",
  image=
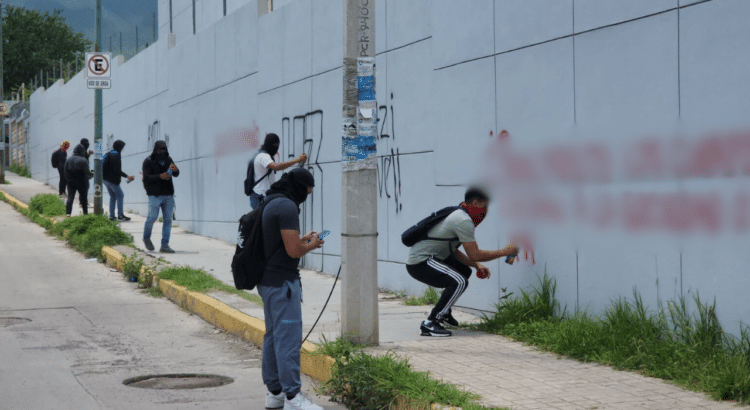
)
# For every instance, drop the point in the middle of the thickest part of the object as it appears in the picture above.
(323, 234)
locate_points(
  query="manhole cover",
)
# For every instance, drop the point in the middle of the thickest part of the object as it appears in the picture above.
(178, 381)
(10, 321)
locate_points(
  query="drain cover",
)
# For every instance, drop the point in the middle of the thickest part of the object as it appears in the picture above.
(10, 321)
(178, 381)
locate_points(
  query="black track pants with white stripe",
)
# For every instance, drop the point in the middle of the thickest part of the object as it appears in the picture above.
(450, 275)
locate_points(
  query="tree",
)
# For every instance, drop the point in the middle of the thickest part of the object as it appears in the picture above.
(33, 41)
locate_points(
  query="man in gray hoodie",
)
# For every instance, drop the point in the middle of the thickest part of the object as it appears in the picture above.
(77, 173)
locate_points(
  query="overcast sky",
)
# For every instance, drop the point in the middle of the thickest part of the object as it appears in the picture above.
(118, 16)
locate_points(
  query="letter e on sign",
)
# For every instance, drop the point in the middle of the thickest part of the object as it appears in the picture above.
(98, 65)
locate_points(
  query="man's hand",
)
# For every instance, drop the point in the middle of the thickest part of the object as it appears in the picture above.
(309, 236)
(302, 158)
(511, 249)
(483, 272)
(130, 177)
(165, 176)
(173, 167)
(91, 152)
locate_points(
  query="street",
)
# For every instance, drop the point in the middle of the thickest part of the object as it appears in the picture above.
(72, 331)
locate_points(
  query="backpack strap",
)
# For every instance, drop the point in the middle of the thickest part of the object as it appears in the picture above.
(447, 239)
(252, 164)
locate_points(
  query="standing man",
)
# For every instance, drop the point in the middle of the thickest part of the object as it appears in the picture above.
(87, 152)
(437, 262)
(158, 171)
(77, 174)
(281, 291)
(265, 168)
(112, 176)
(58, 162)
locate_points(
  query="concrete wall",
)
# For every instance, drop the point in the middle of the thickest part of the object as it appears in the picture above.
(598, 95)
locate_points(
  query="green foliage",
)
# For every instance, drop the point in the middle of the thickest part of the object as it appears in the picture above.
(681, 344)
(47, 205)
(362, 381)
(21, 171)
(33, 41)
(201, 281)
(429, 297)
(90, 233)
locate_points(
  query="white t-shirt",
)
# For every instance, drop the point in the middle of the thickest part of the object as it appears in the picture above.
(261, 167)
(457, 225)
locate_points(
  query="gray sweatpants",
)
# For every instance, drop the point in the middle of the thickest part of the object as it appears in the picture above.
(283, 340)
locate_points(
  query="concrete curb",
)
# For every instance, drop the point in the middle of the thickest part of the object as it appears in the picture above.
(22, 206)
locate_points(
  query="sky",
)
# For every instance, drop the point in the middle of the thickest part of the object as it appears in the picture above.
(118, 16)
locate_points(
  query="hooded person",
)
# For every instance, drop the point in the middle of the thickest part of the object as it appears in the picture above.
(158, 171)
(58, 162)
(264, 167)
(281, 290)
(77, 175)
(111, 177)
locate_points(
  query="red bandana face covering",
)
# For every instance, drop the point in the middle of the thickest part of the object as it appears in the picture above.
(477, 213)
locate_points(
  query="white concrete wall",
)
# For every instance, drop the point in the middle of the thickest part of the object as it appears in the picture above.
(450, 76)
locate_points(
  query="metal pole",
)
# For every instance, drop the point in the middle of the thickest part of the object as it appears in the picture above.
(2, 98)
(193, 16)
(61, 69)
(154, 40)
(110, 43)
(359, 225)
(136, 39)
(77, 58)
(121, 42)
(98, 122)
(225, 8)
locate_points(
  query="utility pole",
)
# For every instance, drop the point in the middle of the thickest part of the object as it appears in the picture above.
(2, 97)
(136, 38)
(359, 225)
(98, 122)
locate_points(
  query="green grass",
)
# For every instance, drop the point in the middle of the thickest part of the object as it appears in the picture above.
(21, 171)
(429, 297)
(681, 343)
(47, 205)
(201, 281)
(90, 233)
(363, 381)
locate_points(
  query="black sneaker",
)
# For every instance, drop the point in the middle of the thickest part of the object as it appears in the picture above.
(149, 245)
(112, 218)
(433, 328)
(449, 319)
(123, 218)
(166, 249)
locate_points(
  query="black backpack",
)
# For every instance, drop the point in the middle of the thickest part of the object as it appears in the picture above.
(250, 181)
(249, 261)
(419, 231)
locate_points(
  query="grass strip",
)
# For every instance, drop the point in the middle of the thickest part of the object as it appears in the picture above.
(363, 381)
(429, 297)
(682, 343)
(201, 281)
(89, 233)
(47, 205)
(21, 171)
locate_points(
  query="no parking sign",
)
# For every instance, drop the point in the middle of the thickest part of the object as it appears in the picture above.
(98, 71)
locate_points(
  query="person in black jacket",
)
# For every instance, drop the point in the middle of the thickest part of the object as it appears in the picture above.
(112, 176)
(158, 171)
(77, 174)
(58, 162)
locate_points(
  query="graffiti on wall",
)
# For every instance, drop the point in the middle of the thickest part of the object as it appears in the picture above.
(154, 133)
(389, 166)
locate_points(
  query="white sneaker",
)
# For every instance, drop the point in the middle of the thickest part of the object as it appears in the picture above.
(275, 401)
(300, 402)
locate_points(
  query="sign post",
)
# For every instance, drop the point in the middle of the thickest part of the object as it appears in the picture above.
(98, 73)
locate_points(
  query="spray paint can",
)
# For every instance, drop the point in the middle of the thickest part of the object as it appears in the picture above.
(511, 258)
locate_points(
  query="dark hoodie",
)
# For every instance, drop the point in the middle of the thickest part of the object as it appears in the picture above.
(153, 166)
(112, 169)
(76, 167)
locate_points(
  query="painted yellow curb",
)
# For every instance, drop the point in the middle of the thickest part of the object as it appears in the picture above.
(14, 201)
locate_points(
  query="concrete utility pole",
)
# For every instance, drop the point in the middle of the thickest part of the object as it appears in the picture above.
(2, 98)
(98, 121)
(359, 225)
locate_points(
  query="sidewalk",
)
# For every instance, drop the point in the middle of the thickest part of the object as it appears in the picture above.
(504, 372)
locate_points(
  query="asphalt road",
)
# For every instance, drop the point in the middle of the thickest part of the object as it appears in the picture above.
(72, 331)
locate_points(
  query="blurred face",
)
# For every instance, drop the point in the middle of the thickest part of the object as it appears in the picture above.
(309, 190)
(161, 151)
(479, 203)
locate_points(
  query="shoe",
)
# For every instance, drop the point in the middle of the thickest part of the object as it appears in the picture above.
(449, 319)
(275, 401)
(123, 218)
(166, 249)
(300, 402)
(149, 245)
(433, 328)
(112, 218)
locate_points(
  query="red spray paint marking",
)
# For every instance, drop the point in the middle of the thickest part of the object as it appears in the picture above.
(236, 141)
(525, 243)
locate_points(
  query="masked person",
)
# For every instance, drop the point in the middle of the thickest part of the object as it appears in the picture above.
(437, 262)
(58, 162)
(112, 176)
(265, 167)
(281, 290)
(77, 175)
(158, 171)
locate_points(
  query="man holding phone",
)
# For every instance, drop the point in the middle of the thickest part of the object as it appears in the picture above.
(281, 290)
(158, 171)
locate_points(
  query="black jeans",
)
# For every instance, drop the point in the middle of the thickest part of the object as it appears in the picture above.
(82, 187)
(63, 182)
(450, 275)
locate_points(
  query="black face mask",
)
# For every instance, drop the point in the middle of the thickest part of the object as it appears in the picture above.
(271, 149)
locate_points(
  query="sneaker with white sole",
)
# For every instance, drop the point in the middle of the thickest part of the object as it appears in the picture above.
(275, 401)
(300, 402)
(433, 328)
(449, 319)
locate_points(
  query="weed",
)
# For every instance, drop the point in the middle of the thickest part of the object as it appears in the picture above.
(201, 281)
(21, 171)
(89, 233)
(429, 297)
(47, 205)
